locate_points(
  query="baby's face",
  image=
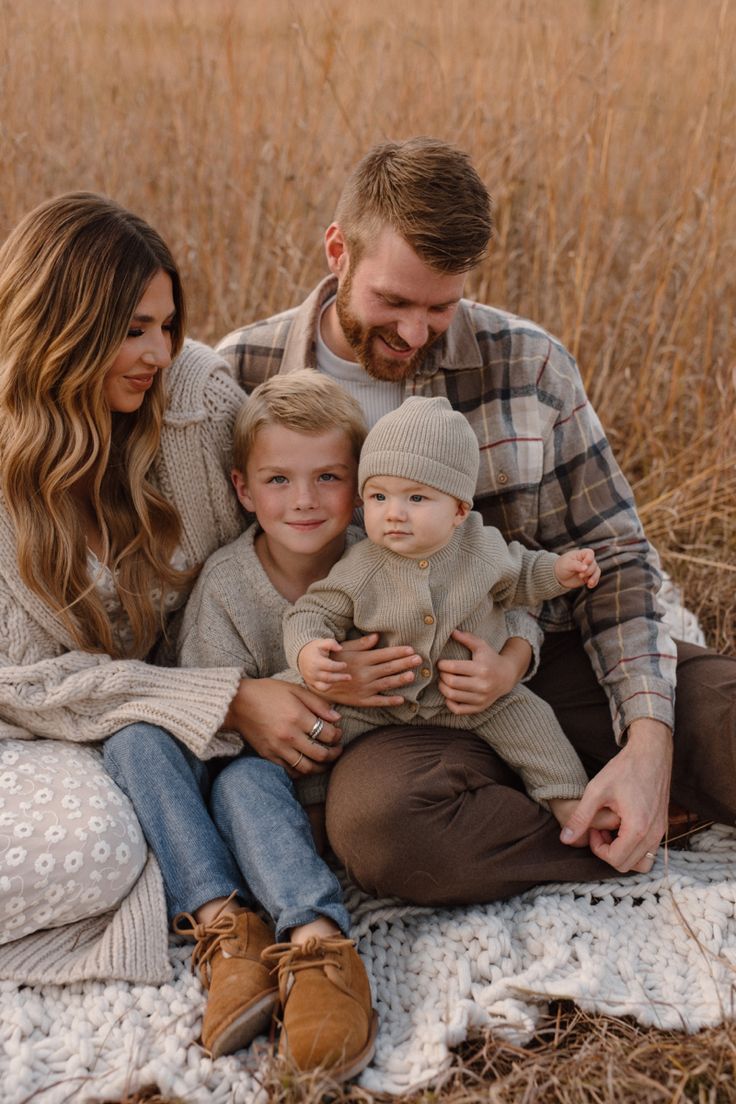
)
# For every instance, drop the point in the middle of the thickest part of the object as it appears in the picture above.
(410, 518)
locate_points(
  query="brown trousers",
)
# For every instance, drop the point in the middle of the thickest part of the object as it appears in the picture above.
(435, 817)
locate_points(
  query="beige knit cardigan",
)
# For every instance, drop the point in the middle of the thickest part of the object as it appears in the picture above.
(51, 689)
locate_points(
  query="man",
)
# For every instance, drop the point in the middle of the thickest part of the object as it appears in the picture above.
(414, 814)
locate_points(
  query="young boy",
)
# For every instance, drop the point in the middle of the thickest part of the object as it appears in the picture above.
(249, 840)
(427, 568)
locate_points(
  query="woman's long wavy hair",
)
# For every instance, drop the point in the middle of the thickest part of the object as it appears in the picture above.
(71, 276)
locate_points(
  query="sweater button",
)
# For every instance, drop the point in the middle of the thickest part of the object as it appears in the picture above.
(413, 707)
(429, 619)
(425, 672)
(424, 563)
(502, 478)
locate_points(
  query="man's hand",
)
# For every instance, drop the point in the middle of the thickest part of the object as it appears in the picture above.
(563, 808)
(635, 786)
(471, 685)
(275, 718)
(373, 671)
(577, 568)
(317, 669)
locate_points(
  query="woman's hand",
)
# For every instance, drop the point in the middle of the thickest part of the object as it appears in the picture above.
(471, 685)
(373, 670)
(275, 719)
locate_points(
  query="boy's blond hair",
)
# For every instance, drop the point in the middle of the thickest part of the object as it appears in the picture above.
(305, 401)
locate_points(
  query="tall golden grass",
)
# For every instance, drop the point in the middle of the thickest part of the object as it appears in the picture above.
(606, 130)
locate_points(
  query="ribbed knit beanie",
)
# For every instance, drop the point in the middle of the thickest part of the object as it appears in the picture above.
(427, 441)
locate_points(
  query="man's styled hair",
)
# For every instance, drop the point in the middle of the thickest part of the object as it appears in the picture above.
(429, 193)
(305, 401)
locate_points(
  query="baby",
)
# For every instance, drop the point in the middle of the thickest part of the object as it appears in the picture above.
(428, 567)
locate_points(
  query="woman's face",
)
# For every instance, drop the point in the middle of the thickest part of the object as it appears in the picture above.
(145, 351)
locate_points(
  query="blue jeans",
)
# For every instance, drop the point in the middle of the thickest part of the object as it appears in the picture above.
(229, 826)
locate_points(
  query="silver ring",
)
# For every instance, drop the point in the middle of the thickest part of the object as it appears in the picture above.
(315, 730)
(650, 855)
(295, 765)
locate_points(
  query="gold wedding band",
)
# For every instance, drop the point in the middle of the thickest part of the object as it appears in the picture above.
(295, 765)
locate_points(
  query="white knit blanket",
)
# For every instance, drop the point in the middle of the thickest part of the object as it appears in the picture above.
(659, 947)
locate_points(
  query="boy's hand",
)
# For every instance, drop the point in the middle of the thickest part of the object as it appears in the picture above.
(577, 568)
(317, 669)
(605, 820)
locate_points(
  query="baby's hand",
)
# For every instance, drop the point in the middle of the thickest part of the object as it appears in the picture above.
(605, 820)
(577, 568)
(317, 669)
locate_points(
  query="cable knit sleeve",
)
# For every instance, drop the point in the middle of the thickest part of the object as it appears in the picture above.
(80, 697)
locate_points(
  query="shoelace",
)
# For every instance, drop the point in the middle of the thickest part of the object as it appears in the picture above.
(290, 958)
(208, 937)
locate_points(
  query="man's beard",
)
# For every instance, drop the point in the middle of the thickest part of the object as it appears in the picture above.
(362, 341)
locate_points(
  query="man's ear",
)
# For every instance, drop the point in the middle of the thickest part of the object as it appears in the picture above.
(463, 509)
(336, 250)
(241, 489)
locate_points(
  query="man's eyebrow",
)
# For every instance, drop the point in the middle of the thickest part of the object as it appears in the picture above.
(385, 293)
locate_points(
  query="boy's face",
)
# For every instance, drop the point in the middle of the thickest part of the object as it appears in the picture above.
(302, 487)
(409, 518)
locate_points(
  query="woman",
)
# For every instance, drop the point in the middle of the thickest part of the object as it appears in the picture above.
(113, 491)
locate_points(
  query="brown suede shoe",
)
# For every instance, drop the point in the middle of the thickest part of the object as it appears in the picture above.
(328, 1020)
(242, 991)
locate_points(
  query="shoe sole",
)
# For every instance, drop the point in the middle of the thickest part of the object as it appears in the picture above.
(253, 1020)
(358, 1064)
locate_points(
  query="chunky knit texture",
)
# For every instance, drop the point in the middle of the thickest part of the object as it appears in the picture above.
(50, 689)
(424, 440)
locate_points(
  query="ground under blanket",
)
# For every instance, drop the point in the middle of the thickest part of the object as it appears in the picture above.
(659, 947)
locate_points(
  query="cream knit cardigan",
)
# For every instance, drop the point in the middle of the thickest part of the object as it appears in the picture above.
(50, 689)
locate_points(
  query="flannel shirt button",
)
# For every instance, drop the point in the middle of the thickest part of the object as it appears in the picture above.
(429, 619)
(424, 563)
(502, 478)
(425, 672)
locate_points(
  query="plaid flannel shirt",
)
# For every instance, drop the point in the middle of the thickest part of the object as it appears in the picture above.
(547, 477)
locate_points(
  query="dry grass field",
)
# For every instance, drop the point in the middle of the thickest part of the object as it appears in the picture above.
(606, 130)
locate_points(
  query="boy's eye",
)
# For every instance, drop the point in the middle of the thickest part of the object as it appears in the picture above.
(328, 477)
(378, 497)
(279, 479)
(416, 498)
